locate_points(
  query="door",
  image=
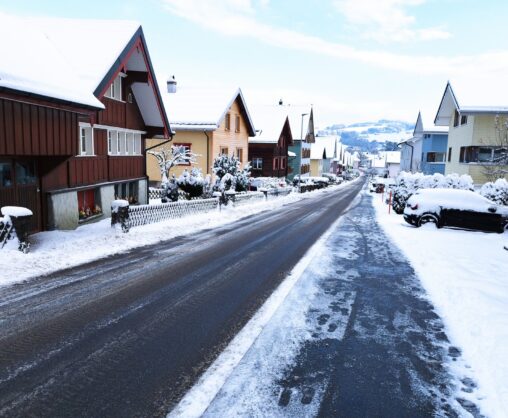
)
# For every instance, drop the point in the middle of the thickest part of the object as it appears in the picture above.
(19, 186)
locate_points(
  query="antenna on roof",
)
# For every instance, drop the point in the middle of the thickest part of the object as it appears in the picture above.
(171, 83)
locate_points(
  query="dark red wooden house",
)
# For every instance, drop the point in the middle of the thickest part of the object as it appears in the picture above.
(268, 150)
(77, 100)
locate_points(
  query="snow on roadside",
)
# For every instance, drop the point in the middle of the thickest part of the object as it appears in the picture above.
(56, 250)
(465, 274)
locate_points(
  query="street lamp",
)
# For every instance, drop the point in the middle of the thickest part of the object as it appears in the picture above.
(301, 152)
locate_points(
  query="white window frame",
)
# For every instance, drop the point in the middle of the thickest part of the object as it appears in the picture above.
(257, 163)
(88, 149)
(114, 90)
(124, 142)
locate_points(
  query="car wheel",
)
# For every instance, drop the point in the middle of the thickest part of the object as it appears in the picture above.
(428, 218)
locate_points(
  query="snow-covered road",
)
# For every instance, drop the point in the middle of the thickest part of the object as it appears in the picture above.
(356, 336)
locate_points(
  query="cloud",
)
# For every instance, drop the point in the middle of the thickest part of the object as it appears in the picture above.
(237, 18)
(389, 19)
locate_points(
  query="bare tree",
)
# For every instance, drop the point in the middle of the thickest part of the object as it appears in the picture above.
(497, 167)
(167, 158)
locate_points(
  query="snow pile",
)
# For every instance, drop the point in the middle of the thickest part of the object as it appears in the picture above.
(496, 191)
(465, 275)
(16, 211)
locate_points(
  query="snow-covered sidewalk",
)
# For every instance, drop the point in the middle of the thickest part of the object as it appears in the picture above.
(56, 250)
(466, 276)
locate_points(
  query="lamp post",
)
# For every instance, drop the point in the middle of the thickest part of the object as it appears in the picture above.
(301, 152)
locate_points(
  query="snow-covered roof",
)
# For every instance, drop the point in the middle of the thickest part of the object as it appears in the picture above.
(201, 108)
(296, 115)
(472, 98)
(324, 145)
(270, 121)
(425, 126)
(33, 62)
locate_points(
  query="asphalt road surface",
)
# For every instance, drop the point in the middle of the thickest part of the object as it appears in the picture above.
(128, 335)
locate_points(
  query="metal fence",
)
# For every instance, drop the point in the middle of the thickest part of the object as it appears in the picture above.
(148, 214)
(245, 198)
(281, 191)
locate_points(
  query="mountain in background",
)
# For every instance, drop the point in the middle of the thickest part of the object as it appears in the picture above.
(371, 136)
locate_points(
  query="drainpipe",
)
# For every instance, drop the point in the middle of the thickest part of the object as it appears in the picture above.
(207, 152)
(411, 161)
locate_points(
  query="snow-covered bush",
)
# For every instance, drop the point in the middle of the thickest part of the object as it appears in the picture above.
(496, 191)
(191, 182)
(229, 175)
(407, 183)
(169, 190)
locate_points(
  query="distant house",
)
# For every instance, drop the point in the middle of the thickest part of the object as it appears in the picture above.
(268, 150)
(426, 150)
(209, 122)
(473, 144)
(322, 153)
(392, 163)
(77, 99)
(301, 120)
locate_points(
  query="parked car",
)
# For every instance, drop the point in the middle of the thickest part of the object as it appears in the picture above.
(456, 208)
(334, 179)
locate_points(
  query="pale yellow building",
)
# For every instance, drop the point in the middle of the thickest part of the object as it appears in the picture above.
(473, 142)
(209, 122)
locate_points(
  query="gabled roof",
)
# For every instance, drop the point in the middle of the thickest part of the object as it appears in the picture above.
(197, 108)
(271, 121)
(475, 98)
(323, 148)
(301, 120)
(75, 60)
(423, 126)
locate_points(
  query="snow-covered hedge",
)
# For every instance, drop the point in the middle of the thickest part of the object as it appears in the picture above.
(191, 182)
(407, 183)
(496, 191)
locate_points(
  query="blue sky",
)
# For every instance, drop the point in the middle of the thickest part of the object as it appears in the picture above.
(354, 60)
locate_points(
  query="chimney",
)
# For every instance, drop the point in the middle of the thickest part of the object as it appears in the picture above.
(171, 84)
(281, 102)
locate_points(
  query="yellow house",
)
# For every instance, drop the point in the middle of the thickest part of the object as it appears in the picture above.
(473, 141)
(208, 122)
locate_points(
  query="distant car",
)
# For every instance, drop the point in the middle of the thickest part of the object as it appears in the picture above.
(455, 208)
(334, 179)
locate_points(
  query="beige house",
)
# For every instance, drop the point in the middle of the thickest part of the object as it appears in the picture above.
(473, 143)
(209, 122)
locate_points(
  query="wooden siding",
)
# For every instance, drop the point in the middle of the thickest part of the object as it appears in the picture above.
(30, 130)
(121, 114)
(126, 167)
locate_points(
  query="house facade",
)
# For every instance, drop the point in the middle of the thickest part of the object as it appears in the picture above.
(473, 141)
(426, 151)
(323, 151)
(268, 150)
(209, 123)
(73, 134)
(301, 120)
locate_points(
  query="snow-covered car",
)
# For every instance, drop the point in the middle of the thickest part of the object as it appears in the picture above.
(334, 179)
(456, 208)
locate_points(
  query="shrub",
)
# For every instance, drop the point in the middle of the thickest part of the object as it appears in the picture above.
(496, 191)
(191, 183)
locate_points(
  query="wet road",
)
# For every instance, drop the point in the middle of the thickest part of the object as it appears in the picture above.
(128, 335)
(364, 340)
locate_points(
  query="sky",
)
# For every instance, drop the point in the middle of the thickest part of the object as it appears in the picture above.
(353, 60)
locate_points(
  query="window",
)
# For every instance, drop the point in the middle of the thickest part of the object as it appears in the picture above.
(227, 122)
(85, 141)
(187, 147)
(456, 119)
(435, 157)
(257, 163)
(115, 89)
(223, 151)
(121, 143)
(124, 143)
(87, 204)
(25, 173)
(5, 175)
(275, 163)
(463, 119)
(283, 163)
(449, 154)
(483, 155)
(127, 191)
(237, 123)
(239, 154)
(129, 144)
